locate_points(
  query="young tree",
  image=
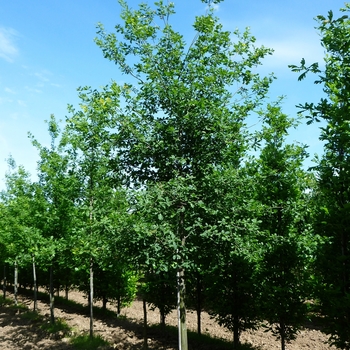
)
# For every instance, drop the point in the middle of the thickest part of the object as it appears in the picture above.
(59, 189)
(181, 120)
(21, 233)
(284, 226)
(332, 169)
(87, 139)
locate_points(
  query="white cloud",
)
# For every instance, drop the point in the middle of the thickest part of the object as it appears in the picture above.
(33, 90)
(10, 91)
(8, 49)
(43, 75)
(291, 50)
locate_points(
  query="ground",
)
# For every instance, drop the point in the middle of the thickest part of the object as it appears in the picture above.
(18, 331)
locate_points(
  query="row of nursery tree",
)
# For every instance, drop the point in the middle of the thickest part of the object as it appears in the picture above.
(159, 187)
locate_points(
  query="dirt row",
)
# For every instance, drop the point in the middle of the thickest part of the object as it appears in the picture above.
(126, 331)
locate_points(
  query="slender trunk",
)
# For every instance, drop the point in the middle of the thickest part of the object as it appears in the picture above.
(181, 291)
(145, 344)
(35, 285)
(91, 299)
(67, 290)
(5, 282)
(283, 334)
(52, 297)
(118, 305)
(199, 305)
(181, 309)
(235, 332)
(15, 287)
(104, 303)
(162, 318)
(91, 296)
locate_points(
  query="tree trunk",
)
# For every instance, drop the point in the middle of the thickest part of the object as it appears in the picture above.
(52, 297)
(181, 291)
(91, 299)
(104, 303)
(145, 344)
(5, 282)
(118, 305)
(283, 334)
(15, 287)
(67, 290)
(235, 332)
(181, 309)
(162, 318)
(199, 305)
(35, 285)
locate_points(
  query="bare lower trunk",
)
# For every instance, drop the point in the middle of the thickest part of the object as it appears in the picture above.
(119, 302)
(67, 290)
(181, 290)
(283, 335)
(236, 340)
(181, 309)
(15, 287)
(52, 297)
(104, 303)
(35, 285)
(162, 318)
(91, 299)
(145, 344)
(199, 305)
(5, 281)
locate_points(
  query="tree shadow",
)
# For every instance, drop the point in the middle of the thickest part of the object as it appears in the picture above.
(20, 329)
(131, 337)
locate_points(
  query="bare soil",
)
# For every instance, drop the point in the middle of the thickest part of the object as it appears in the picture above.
(126, 331)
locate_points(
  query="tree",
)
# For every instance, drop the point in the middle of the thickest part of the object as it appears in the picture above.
(285, 226)
(332, 172)
(21, 233)
(59, 188)
(230, 240)
(181, 120)
(86, 139)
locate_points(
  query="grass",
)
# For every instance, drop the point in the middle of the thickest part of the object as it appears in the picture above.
(18, 307)
(5, 301)
(60, 325)
(201, 339)
(85, 342)
(32, 316)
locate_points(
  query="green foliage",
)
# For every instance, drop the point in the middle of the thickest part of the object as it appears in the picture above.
(284, 227)
(332, 193)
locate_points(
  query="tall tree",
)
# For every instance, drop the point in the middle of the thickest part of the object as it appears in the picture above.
(87, 139)
(181, 120)
(59, 188)
(332, 169)
(22, 234)
(285, 226)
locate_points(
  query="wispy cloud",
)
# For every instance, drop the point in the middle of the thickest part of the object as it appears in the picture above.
(43, 75)
(38, 91)
(8, 49)
(10, 91)
(292, 49)
(21, 103)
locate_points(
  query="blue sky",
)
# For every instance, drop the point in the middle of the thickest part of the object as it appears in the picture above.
(47, 51)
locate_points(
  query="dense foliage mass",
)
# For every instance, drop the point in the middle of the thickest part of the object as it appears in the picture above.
(157, 187)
